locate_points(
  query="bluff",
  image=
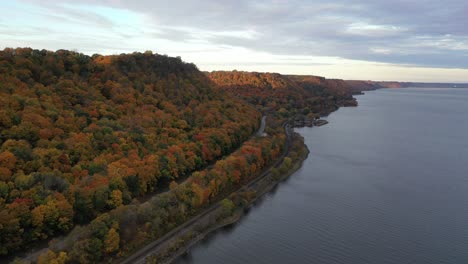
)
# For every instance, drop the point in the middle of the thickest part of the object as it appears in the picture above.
(81, 135)
(286, 95)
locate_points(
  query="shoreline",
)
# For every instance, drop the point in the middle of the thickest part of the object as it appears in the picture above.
(203, 218)
(34, 252)
(181, 244)
(178, 242)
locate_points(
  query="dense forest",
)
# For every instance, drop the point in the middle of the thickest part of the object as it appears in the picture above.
(286, 95)
(81, 135)
(129, 227)
(112, 152)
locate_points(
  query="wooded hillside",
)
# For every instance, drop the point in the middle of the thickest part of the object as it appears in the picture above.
(81, 135)
(286, 95)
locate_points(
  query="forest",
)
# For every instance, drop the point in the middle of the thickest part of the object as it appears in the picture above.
(129, 227)
(81, 135)
(113, 152)
(287, 95)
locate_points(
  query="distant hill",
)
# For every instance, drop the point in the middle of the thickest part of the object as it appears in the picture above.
(370, 85)
(421, 85)
(286, 94)
(359, 86)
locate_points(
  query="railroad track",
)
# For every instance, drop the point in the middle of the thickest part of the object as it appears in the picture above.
(141, 255)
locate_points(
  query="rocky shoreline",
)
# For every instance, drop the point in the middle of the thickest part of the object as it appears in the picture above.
(305, 121)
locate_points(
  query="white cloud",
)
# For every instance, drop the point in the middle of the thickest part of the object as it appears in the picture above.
(384, 51)
(372, 30)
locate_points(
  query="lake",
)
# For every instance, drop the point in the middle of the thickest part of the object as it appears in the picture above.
(385, 182)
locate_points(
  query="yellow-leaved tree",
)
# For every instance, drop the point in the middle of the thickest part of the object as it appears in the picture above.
(112, 241)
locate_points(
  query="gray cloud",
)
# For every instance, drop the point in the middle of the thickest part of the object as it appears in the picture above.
(426, 32)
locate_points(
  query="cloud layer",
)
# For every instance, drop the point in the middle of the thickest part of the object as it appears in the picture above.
(424, 33)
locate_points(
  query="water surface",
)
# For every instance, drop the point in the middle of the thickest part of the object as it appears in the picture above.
(385, 182)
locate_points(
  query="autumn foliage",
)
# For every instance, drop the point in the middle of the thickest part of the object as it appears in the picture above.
(81, 135)
(286, 95)
(85, 140)
(129, 227)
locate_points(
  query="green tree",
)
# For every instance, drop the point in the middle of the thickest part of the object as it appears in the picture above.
(228, 207)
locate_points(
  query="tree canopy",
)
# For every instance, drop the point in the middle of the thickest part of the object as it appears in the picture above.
(81, 135)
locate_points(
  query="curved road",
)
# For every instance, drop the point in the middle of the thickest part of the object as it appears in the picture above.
(261, 130)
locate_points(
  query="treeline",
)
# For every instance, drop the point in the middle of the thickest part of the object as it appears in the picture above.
(130, 227)
(286, 95)
(81, 135)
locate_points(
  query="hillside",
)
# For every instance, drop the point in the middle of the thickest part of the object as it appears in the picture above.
(359, 86)
(90, 145)
(286, 94)
(82, 135)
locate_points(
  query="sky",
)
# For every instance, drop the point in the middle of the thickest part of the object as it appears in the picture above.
(401, 40)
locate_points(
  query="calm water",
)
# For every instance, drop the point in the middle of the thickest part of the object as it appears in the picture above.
(386, 182)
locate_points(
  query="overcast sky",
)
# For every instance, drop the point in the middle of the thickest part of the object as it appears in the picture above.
(425, 40)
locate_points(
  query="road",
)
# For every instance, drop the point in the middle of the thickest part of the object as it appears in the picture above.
(261, 130)
(34, 253)
(141, 255)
